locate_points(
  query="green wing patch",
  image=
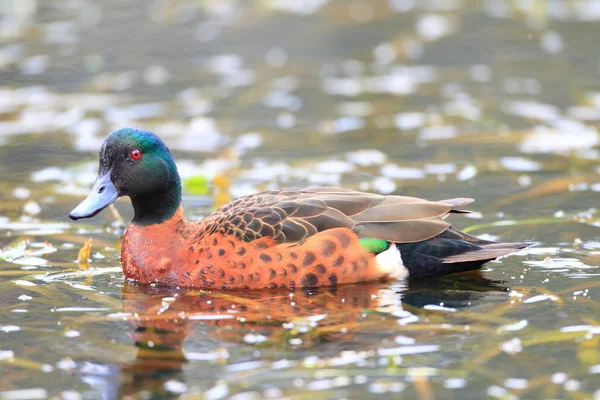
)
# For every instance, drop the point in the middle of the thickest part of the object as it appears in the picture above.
(374, 245)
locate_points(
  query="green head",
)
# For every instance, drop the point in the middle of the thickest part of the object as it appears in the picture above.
(134, 163)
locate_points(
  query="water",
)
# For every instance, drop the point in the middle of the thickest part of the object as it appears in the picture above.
(493, 99)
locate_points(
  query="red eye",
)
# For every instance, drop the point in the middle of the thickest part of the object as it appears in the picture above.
(135, 154)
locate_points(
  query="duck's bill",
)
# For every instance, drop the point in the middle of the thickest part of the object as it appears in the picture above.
(103, 194)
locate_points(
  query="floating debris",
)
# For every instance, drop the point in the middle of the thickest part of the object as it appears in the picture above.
(27, 260)
(24, 283)
(468, 172)
(366, 157)
(175, 386)
(520, 164)
(10, 328)
(404, 350)
(541, 297)
(435, 307)
(22, 394)
(83, 258)
(455, 383)
(438, 133)
(434, 26)
(252, 338)
(407, 121)
(516, 327)
(547, 140)
(512, 346)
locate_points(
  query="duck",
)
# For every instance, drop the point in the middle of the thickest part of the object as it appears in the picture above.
(290, 239)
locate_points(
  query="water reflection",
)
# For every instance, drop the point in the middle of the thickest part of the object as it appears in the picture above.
(165, 318)
(455, 291)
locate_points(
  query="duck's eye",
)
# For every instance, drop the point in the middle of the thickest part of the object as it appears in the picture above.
(135, 154)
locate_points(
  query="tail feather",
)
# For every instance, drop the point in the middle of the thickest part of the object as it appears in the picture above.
(487, 252)
(451, 253)
(457, 202)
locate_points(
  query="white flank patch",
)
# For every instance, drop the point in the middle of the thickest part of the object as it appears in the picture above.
(390, 263)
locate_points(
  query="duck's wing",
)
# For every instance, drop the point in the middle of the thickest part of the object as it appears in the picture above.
(291, 216)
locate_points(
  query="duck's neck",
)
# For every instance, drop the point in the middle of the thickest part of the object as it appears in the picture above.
(157, 207)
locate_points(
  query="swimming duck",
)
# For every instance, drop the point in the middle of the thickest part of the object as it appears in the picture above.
(277, 238)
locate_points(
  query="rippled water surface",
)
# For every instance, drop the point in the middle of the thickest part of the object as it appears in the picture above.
(497, 100)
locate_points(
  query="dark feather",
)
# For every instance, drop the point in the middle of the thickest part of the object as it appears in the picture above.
(330, 219)
(310, 228)
(486, 252)
(268, 216)
(454, 234)
(347, 205)
(446, 255)
(294, 231)
(306, 208)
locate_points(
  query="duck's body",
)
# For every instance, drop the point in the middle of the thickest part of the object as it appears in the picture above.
(217, 260)
(296, 238)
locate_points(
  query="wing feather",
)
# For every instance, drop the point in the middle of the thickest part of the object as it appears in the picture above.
(403, 231)
(390, 212)
(290, 216)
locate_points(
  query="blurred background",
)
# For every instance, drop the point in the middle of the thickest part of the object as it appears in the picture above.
(498, 100)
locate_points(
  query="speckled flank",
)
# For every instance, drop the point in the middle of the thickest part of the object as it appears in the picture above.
(331, 257)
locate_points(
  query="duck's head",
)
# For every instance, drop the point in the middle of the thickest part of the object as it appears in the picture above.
(134, 163)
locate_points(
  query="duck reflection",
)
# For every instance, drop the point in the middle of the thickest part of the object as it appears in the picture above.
(455, 291)
(165, 317)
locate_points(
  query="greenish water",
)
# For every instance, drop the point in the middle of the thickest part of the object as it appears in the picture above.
(496, 100)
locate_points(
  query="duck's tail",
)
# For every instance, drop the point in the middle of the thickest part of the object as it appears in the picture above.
(451, 252)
